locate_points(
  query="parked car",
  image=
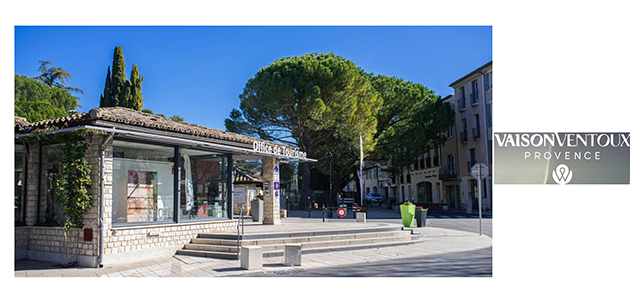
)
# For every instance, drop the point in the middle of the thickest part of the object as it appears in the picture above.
(372, 197)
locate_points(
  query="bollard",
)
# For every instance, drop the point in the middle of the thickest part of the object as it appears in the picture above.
(361, 217)
(251, 257)
(293, 254)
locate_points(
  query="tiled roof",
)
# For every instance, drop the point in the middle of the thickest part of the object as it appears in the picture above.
(132, 117)
(240, 176)
(20, 122)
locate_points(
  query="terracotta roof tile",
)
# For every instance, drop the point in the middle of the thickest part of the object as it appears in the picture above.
(132, 117)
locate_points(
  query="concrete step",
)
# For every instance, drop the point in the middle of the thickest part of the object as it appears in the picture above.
(274, 241)
(331, 241)
(297, 234)
(346, 248)
(224, 245)
(209, 254)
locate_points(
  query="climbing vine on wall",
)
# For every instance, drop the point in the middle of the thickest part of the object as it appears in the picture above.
(72, 182)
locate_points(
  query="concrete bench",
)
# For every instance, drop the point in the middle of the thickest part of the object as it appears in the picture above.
(293, 254)
(251, 257)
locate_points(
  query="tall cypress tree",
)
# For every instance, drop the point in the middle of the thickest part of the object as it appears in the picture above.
(119, 79)
(118, 91)
(105, 98)
(135, 89)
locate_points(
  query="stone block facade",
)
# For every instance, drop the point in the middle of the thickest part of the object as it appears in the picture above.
(271, 199)
(120, 244)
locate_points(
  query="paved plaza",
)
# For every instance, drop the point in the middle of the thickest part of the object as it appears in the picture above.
(435, 241)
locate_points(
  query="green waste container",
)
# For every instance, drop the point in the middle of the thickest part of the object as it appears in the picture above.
(408, 212)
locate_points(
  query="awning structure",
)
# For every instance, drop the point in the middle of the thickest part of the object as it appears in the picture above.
(125, 122)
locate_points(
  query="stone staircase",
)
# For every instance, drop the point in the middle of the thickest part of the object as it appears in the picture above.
(224, 245)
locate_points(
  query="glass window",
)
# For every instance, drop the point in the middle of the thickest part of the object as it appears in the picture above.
(203, 182)
(142, 182)
(19, 186)
(50, 212)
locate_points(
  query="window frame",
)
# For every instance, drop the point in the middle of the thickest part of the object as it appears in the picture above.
(178, 169)
(25, 171)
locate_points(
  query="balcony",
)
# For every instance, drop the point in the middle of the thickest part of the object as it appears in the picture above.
(462, 104)
(470, 164)
(474, 99)
(448, 174)
(476, 133)
(463, 137)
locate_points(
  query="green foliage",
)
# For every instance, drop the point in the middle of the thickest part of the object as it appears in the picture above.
(106, 94)
(411, 120)
(135, 89)
(322, 103)
(72, 183)
(317, 102)
(37, 101)
(299, 100)
(118, 91)
(176, 118)
(55, 77)
(146, 110)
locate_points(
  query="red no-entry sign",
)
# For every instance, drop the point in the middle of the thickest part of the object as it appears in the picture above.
(342, 212)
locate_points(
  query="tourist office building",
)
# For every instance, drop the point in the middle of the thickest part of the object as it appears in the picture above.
(156, 184)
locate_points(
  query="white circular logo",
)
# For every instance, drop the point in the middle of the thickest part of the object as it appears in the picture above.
(562, 174)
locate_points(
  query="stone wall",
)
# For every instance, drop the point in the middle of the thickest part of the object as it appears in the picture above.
(47, 242)
(271, 202)
(134, 238)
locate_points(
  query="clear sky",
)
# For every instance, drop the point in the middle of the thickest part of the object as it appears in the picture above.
(198, 72)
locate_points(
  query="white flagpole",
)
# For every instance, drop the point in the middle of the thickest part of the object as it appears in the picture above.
(361, 175)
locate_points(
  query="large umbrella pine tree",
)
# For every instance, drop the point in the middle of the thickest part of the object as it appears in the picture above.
(308, 101)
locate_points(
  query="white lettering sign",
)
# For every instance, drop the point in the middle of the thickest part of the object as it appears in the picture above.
(278, 150)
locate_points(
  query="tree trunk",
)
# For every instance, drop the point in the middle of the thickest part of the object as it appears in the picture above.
(306, 186)
(337, 186)
(358, 188)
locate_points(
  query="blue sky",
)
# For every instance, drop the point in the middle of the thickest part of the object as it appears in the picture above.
(198, 72)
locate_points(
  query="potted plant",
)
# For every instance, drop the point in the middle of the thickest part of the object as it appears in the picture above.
(407, 211)
(421, 216)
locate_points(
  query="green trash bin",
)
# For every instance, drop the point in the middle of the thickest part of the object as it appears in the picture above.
(408, 212)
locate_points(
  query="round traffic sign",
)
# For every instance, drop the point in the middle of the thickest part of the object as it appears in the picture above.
(342, 212)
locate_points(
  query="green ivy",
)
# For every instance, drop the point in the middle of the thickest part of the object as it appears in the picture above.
(73, 181)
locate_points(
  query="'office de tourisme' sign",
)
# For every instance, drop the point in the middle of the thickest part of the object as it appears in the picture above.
(278, 150)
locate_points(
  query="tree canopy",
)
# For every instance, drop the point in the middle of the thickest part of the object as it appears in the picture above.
(411, 120)
(55, 77)
(308, 101)
(37, 101)
(118, 91)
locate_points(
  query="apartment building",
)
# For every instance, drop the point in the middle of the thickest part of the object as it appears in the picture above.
(473, 103)
(449, 166)
(376, 180)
